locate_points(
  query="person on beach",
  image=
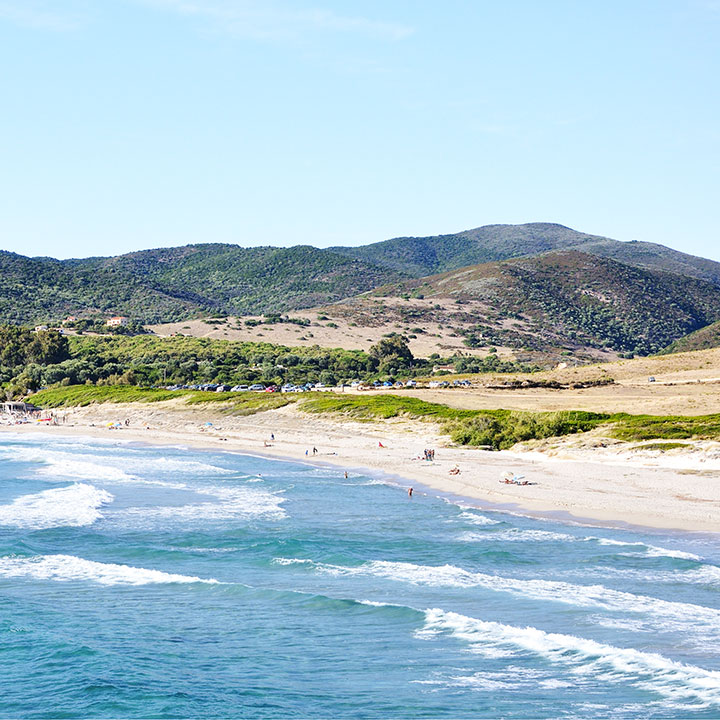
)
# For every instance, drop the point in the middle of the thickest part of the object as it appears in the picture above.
(272, 437)
(315, 450)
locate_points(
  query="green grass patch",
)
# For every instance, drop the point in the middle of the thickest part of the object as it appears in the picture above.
(499, 429)
(368, 407)
(242, 403)
(82, 395)
(668, 427)
(662, 446)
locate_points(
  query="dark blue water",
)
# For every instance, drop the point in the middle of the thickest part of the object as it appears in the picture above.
(143, 582)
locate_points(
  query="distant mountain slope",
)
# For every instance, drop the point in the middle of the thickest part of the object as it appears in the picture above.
(540, 287)
(429, 255)
(702, 339)
(569, 298)
(175, 283)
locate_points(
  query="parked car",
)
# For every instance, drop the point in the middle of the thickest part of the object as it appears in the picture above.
(411, 383)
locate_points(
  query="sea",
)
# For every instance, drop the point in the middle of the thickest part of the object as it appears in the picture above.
(170, 582)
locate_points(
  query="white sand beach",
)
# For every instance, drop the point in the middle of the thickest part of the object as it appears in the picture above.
(584, 477)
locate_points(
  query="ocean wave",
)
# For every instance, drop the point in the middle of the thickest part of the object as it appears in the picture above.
(663, 615)
(651, 672)
(109, 467)
(701, 575)
(58, 464)
(74, 506)
(192, 467)
(69, 567)
(242, 502)
(477, 519)
(520, 535)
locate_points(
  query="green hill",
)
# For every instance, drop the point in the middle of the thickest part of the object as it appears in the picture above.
(177, 283)
(537, 286)
(569, 299)
(420, 256)
(702, 339)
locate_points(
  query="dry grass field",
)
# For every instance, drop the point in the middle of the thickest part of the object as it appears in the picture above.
(340, 327)
(685, 384)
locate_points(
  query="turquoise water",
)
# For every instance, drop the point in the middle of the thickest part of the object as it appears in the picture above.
(143, 582)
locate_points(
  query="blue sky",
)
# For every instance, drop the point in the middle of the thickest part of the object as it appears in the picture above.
(129, 124)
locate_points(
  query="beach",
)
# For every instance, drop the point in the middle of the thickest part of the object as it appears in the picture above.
(584, 478)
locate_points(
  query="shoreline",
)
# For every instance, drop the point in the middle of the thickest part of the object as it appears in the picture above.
(571, 483)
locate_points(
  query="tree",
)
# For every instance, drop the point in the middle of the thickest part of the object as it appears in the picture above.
(393, 350)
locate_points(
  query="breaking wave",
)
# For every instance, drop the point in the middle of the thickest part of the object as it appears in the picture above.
(74, 506)
(648, 671)
(69, 567)
(661, 614)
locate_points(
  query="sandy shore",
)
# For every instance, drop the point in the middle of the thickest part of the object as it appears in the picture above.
(586, 478)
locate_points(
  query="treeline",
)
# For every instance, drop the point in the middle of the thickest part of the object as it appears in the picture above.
(31, 360)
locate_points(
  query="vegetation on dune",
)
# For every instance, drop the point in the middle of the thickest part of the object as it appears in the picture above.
(497, 429)
(83, 395)
(501, 429)
(663, 447)
(368, 407)
(669, 427)
(242, 403)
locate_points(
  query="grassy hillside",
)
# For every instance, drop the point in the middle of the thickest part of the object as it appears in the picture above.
(571, 299)
(702, 339)
(538, 291)
(177, 283)
(430, 255)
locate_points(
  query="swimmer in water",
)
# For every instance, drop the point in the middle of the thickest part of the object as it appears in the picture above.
(410, 492)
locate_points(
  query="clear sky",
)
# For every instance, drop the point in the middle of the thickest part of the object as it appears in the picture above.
(128, 124)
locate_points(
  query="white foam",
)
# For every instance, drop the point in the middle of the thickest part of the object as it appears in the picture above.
(519, 535)
(241, 502)
(705, 575)
(192, 467)
(78, 466)
(481, 681)
(648, 671)
(292, 561)
(477, 519)
(69, 567)
(661, 614)
(654, 551)
(113, 468)
(75, 506)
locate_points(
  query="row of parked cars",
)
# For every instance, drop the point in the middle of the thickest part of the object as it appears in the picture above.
(307, 387)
